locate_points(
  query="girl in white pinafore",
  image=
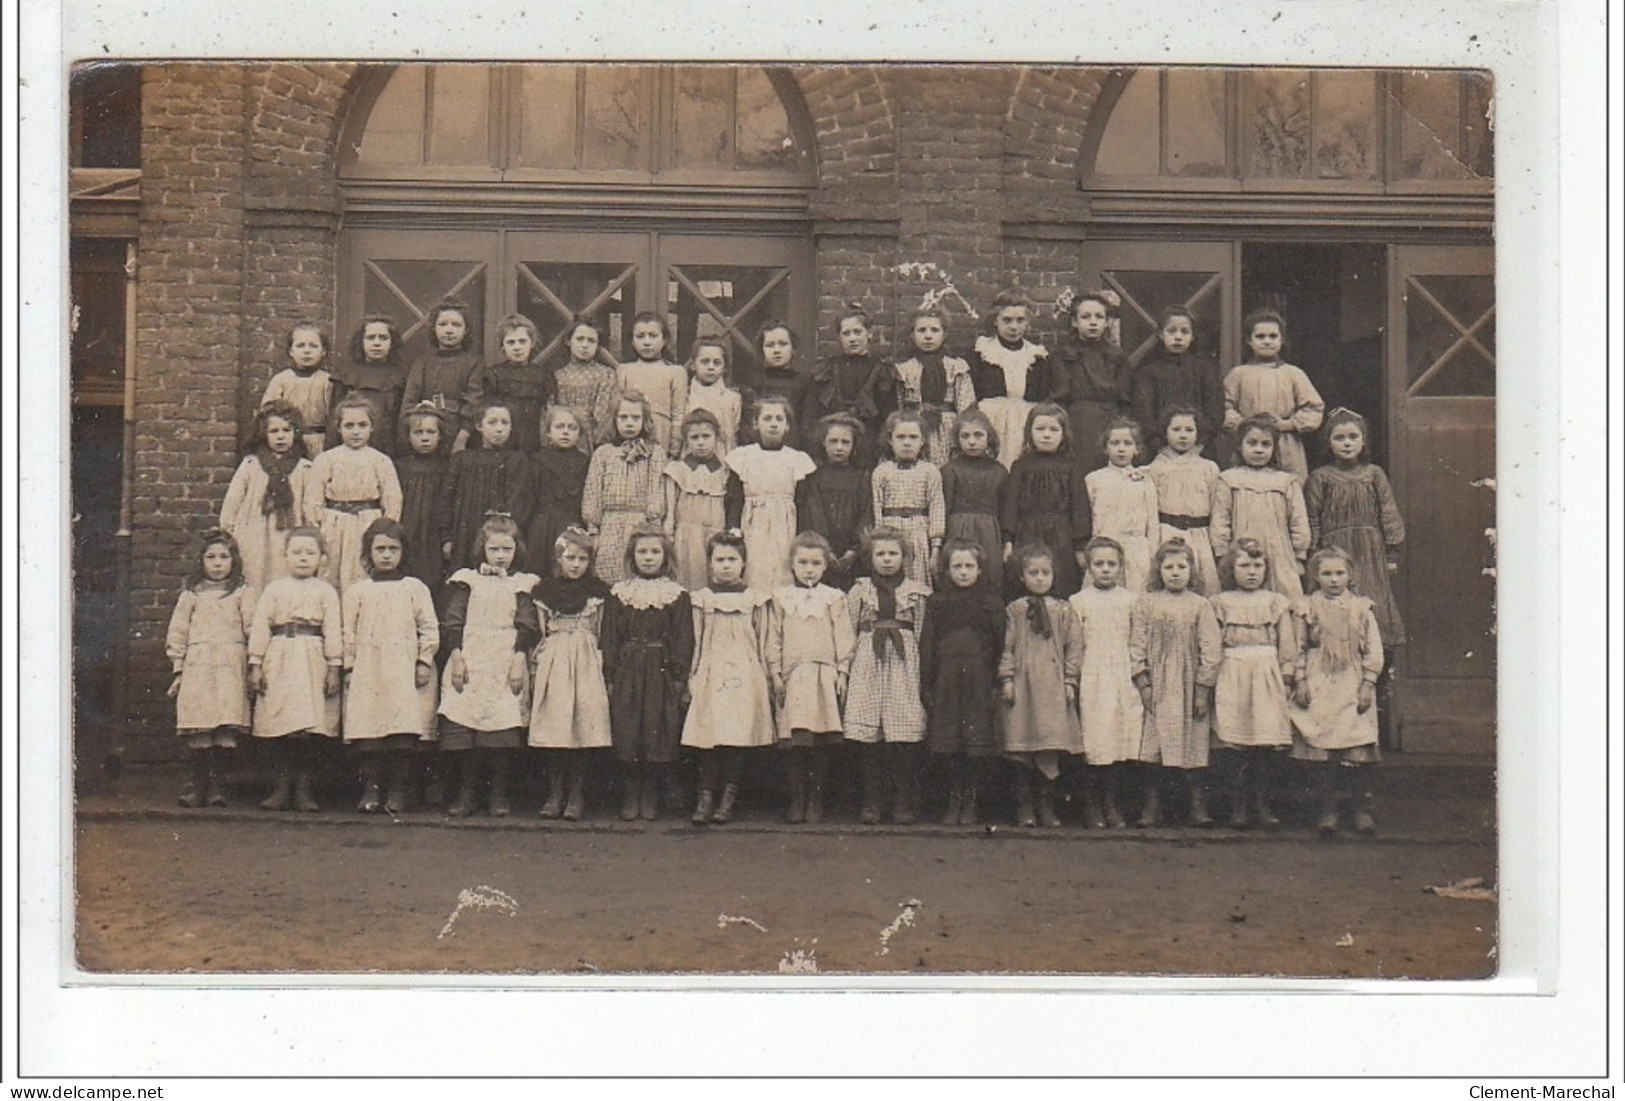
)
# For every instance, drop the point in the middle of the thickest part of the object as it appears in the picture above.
(731, 706)
(295, 650)
(488, 627)
(1111, 714)
(1250, 720)
(769, 471)
(207, 645)
(1185, 484)
(571, 711)
(1123, 502)
(349, 487)
(391, 634)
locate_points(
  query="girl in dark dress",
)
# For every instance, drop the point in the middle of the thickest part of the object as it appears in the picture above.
(374, 372)
(959, 663)
(559, 477)
(775, 373)
(489, 476)
(1178, 375)
(971, 483)
(1045, 500)
(450, 374)
(422, 470)
(835, 500)
(1091, 376)
(524, 383)
(845, 383)
(647, 642)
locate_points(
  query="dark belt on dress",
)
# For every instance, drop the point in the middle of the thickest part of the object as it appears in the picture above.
(296, 630)
(905, 513)
(354, 507)
(1183, 523)
(887, 631)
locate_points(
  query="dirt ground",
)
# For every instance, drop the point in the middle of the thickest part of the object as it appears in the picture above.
(236, 891)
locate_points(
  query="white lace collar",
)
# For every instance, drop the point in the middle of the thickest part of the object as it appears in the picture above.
(644, 593)
(992, 349)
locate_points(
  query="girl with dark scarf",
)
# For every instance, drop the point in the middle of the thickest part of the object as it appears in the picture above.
(263, 501)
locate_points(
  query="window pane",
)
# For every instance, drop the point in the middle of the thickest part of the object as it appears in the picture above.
(459, 115)
(1277, 131)
(106, 104)
(1132, 142)
(1196, 123)
(700, 118)
(422, 283)
(395, 126)
(1146, 293)
(764, 138)
(1430, 131)
(727, 289)
(96, 357)
(1478, 146)
(575, 286)
(1437, 308)
(1345, 126)
(612, 124)
(547, 116)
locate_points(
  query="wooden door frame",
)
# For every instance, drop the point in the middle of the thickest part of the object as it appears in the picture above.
(1406, 411)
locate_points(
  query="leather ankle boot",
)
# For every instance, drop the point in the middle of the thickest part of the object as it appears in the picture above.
(499, 805)
(869, 813)
(725, 806)
(796, 812)
(462, 804)
(304, 792)
(197, 779)
(214, 790)
(1151, 810)
(702, 808)
(396, 800)
(631, 795)
(1199, 812)
(1026, 816)
(969, 813)
(649, 797)
(576, 805)
(281, 797)
(555, 793)
(1046, 805)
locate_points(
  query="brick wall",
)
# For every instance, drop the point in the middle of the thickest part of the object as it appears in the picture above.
(291, 214)
(1048, 112)
(950, 135)
(189, 299)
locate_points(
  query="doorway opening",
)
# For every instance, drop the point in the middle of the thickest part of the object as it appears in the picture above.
(1334, 299)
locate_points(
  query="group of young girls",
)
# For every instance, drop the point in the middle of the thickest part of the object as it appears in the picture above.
(949, 571)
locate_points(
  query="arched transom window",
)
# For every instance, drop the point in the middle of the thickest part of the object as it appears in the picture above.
(674, 124)
(1202, 127)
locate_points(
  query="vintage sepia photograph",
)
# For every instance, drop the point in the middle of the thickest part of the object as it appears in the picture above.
(570, 542)
(557, 519)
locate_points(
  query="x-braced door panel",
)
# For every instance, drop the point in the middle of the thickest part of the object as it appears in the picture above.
(405, 274)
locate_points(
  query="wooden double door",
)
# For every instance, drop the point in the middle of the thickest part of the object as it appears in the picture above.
(1405, 334)
(704, 284)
